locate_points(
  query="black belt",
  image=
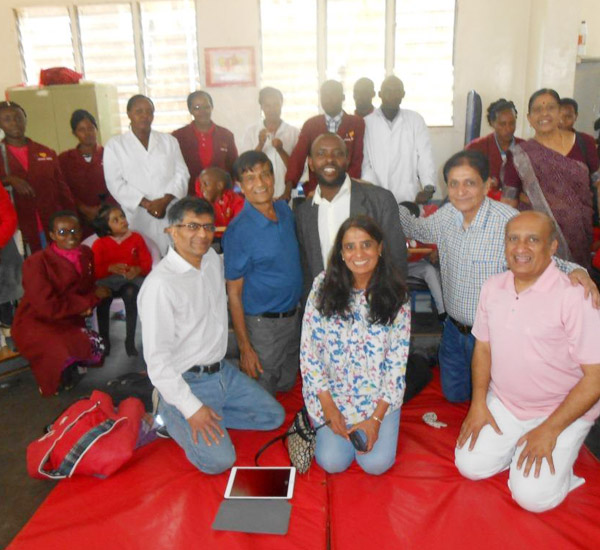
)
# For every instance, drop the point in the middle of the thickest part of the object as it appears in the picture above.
(208, 369)
(289, 313)
(463, 329)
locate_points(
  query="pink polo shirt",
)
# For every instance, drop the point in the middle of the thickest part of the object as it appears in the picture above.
(538, 339)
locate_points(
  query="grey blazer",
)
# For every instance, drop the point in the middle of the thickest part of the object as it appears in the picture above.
(365, 198)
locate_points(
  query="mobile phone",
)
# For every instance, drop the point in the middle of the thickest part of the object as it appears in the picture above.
(358, 438)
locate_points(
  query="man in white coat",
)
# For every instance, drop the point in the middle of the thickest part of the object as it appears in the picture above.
(144, 172)
(397, 152)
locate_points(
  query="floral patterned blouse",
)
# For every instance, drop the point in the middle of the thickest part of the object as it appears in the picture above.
(357, 361)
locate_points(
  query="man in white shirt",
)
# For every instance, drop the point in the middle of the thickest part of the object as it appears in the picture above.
(274, 137)
(397, 152)
(183, 310)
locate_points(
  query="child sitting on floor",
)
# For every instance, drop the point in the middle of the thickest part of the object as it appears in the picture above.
(122, 261)
(215, 185)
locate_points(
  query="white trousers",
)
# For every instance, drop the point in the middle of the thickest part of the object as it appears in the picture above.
(494, 453)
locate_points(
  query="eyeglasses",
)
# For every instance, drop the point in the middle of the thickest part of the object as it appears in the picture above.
(73, 231)
(195, 227)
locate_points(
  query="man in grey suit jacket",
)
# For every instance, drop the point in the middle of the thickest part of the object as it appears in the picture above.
(336, 198)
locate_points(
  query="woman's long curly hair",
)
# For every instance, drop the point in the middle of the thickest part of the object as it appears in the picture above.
(385, 292)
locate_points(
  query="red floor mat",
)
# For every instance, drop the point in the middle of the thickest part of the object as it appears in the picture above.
(424, 503)
(159, 501)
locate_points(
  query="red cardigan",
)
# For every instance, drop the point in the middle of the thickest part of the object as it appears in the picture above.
(487, 146)
(351, 130)
(132, 251)
(85, 179)
(48, 326)
(8, 218)
(51, 191)
(224, 151)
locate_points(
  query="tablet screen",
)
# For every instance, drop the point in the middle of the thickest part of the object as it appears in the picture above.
(260, 483)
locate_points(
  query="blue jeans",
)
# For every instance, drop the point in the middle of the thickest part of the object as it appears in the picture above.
(455, 355)
(242, 405)
(335, 454)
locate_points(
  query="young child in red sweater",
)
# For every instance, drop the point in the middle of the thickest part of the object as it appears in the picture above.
(122, 260)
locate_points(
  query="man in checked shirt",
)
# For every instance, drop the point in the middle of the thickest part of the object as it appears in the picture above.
(469, 234)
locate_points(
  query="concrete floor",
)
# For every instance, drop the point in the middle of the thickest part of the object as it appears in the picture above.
(24, 414)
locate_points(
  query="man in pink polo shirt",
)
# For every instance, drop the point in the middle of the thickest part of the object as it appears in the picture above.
(536, 372)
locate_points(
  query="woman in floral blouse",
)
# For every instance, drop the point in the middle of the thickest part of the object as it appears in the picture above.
(355, 338)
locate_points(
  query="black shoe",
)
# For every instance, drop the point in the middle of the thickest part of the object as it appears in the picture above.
(130, 349)
(163, 433)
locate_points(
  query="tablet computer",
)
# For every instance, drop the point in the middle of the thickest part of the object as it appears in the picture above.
(254, 482)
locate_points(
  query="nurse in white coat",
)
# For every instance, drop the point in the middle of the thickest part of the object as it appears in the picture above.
(145, 171)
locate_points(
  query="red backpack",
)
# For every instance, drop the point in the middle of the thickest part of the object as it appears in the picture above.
(90, 438)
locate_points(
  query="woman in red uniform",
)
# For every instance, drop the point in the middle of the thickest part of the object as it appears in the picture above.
(34, 173)
(60, 291)
(202, 142)
(83, 171)
(502, 117)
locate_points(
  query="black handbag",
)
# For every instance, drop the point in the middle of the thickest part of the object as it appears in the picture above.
(301, 440)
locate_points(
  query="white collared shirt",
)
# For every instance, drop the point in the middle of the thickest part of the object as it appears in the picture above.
(183, 311)
(288, 135)
(133, 172)
(397, 154)
(332, 215)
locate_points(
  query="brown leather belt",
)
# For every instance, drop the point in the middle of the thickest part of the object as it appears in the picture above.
(463, 329)
(208, 369)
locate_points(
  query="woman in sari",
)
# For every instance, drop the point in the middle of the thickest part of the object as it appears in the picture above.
(550, 174)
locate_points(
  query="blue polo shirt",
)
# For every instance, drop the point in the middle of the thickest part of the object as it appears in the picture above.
(266, 254)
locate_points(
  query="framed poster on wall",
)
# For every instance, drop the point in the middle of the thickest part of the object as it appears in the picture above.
(230, 66)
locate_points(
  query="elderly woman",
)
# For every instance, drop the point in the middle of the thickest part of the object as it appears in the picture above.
(354, 349)
(145, 171)
(83, 171)
(202, 142)
(551, 173)
(33, 172)
(502, 117)
(49, 326)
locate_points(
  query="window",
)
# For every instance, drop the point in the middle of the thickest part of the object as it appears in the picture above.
(289, 55)
(355, 43)
(424, 44)
(356, 38)
(108, 49)
(45, 40)
(146, 47)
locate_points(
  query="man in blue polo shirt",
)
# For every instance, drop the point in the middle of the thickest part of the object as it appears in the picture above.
(264, 278)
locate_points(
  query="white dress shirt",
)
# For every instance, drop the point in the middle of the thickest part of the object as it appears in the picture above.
(397, 154)
(183, 311)
(288, 135)
(132, 173)
(331, 216)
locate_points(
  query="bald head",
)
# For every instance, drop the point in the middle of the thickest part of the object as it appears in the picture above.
(533, 217)
(332, 97)
(391, 93)
(364, 92)
(529, 244)
(329, 138)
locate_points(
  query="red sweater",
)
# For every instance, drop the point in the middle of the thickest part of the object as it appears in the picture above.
(224, 151)
(8, 217)
(226, 208)
(132, 252)
(51, 191)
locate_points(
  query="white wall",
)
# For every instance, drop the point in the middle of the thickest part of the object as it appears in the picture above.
(502, 49)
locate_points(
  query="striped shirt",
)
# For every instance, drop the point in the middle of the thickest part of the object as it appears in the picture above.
(468, 257)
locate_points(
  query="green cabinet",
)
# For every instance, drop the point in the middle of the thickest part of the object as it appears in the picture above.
(49, 110)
